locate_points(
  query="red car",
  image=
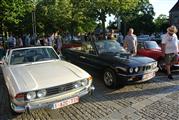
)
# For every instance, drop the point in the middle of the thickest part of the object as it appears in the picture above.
(153, 50)
(69, 43)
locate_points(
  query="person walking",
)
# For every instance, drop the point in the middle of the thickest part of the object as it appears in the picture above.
(120, 39)
(11, 41)
(130, 42)
(58, 43)
(19, 42)
(27, 40)
(170, 48)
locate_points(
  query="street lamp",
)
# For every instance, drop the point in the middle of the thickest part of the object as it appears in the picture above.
(34, 2)
(34, 31)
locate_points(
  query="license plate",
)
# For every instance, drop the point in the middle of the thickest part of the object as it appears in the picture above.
(65, 102)
(148, 76)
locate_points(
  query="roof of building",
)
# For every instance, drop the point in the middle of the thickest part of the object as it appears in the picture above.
(175, 7)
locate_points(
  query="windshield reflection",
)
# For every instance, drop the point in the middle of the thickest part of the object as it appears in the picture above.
(152, 45)
(22, 56)
(109, 46)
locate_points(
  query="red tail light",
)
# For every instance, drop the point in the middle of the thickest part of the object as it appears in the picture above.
(20, 96)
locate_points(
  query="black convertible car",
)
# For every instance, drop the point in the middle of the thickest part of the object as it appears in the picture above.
(117, 65)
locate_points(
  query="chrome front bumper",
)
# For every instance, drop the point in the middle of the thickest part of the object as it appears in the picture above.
(136, 77)
(131, 75)
(50, 100)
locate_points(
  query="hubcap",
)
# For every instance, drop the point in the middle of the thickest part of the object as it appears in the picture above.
(108, 78)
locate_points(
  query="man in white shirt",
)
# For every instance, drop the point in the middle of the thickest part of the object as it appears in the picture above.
(170, 48)
(130, 42)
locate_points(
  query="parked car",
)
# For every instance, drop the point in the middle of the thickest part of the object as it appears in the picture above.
(142, 38)
(153, 50)
(117, 65)
(158, 39)
(69, 42)
(36, 77)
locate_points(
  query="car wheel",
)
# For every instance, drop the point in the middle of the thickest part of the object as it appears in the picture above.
(110, 79)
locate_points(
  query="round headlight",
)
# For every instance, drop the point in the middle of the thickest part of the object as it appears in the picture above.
(136, 69)
(84, 82)
(130, 70)
(78, 84)
(31, 95)
(41, 93)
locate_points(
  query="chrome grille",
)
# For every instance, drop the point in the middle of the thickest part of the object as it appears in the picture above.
(147, 67)
(61, 88)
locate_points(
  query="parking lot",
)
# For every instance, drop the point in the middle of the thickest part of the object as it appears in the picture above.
(157, 99)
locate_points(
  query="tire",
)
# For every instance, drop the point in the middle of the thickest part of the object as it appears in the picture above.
(110, 79)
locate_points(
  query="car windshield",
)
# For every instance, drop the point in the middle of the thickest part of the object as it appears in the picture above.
(152, 45)
(106, 46)
(21, 56)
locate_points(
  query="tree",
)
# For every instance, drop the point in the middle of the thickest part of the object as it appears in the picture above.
(161, 23)
(142, 18)
(100, 8)
(68, 15)
(12, 12)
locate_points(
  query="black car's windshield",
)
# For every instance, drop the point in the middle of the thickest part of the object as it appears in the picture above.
(152, 45)
(21, 56)
(105, 46)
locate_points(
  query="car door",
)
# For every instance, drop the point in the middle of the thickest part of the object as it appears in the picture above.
(89, 56)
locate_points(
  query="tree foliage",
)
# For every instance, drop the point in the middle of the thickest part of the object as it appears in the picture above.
(100, 8)
(161, 23)
(75, 15)
(142, 18)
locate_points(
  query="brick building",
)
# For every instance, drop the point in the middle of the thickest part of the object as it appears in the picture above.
(174, 15)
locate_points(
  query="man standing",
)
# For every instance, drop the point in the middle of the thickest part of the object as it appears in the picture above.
(170, 48)
(130, 42)
(11, 41)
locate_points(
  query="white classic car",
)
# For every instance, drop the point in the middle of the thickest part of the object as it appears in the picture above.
(36, 77)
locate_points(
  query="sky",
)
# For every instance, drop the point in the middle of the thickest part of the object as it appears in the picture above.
(160, 7)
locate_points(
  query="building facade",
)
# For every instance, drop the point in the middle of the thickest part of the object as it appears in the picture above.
(174, 15)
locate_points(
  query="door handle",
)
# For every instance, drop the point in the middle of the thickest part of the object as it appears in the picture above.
(82, 57)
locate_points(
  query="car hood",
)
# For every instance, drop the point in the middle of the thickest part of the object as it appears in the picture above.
(44, 75)
(128, 60)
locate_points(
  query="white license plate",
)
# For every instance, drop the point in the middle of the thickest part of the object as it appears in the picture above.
(148, 76)
(65, 102)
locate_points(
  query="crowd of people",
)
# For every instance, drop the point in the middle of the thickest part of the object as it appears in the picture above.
(169, 42)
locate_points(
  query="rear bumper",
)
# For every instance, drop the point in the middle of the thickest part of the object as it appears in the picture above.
(50, 100)
(175, 67)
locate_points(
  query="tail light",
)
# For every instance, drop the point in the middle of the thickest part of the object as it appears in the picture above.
(20, 96)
